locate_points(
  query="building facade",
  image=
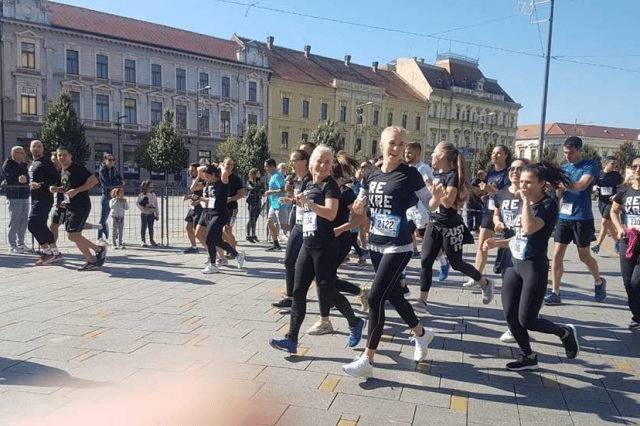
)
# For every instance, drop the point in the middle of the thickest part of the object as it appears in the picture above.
(121, 75)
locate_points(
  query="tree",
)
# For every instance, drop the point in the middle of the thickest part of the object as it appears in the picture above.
(254, 150)
(483, 157)
(329, 135)
(163, 151)
(61, 127)
(591, 153)
(625, 154)
(230, 148)
(550, 154)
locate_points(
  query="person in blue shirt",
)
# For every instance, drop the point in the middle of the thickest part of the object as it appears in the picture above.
(575, 224)
(275, 218)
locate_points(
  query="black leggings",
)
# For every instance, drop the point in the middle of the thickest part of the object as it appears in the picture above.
(214, 237)
(318, 263)
(146, 222)
(37, 223)
(523, 289)
(386, 286)
(344, 247)
(631, 278)
(356, 244)
(431, 246)
(254, 213)
(294, 243)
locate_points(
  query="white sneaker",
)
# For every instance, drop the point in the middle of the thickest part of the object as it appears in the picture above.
(361, 367)
(487, 292)
(507, 337)
(422, 344)
(240, 259)
(320, 327)
(210, 269)
(471, 283)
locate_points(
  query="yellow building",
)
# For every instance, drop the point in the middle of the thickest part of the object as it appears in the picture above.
(306, 90)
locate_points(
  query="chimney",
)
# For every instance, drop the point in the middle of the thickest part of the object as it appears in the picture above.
(307, 50)
(347, 60)
(374, 66)
(270, 42)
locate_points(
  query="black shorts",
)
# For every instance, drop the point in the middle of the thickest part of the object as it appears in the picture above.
(605, 209)
(205, 217)
(76, 217)
(580, 232)
(487, 221)
(59, 215)
(193, 215)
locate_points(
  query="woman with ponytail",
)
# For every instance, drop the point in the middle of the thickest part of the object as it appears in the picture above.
(449, 189)
(524, 283)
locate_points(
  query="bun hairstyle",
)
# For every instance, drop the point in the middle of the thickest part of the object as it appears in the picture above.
(455, 160)
(344, 166)
(549, 172)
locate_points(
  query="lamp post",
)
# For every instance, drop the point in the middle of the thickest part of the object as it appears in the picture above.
(201, 89)
(118, 125)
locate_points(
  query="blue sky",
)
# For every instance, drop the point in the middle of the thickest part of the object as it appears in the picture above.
(509, 48)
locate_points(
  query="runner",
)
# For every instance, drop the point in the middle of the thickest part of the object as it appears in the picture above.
(195, 209)
(606, 187)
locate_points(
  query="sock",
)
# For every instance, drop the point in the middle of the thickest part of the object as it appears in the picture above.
(599, 282)
(98, 227)
(423, 332)
(55, 251)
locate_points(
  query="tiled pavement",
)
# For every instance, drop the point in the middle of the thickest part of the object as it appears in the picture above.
(73, 342)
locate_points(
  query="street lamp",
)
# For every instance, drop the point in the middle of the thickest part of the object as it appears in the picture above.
(202, 89)
(118, 125)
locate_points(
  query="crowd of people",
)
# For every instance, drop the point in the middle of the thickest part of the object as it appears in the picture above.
(395, 208)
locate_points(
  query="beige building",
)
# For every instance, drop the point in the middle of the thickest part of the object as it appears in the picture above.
(606, 140)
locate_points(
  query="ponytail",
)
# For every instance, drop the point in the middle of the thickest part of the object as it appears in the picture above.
(548, 172)
(456, 160)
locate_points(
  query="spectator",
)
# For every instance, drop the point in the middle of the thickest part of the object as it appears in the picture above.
(17, 193)
(474, 203)
(109, 179)
(148, 205)
(275, 218)
(118, 204)
(254, 195)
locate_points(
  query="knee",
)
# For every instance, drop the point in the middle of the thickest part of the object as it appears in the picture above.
(584, 256)
(456, 263)
(73, 236)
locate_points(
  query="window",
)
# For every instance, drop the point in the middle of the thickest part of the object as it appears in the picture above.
(156, 112)
(252, 120)
(129, 71)
(285, 106)
(102, 66)
(324, 111)
(75, 101)
(28, 56)
(29, 105)
(181, 79)
(181, 117)
(253, 91)
(130, 111)
(203, 81)
(390, 119)
(130, 169)
(99, 150)
(305, 109)
(73, 64)
(285, 139)
(358, 146)
(102, 108)
(417, 123)
(359, 115)
(203, 120)
(204, 158)
(156, 75)
(458, 113)
(404, 121)
(304, 137)
(375, 117)
(343, 113)
(225, 122)
(374, 148)
(225, 87)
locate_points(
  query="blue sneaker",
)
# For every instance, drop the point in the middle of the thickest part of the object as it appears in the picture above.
(444, 271)
(356, 334)
(285, 344)
(616, 247)
(552, 299)
(601, 291)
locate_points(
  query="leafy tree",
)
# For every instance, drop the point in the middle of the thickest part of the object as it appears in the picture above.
(328, 134)
(591, 153)
(61, 127)
(550, 154)
(230, 148)
(361, 156)
(625, 154)
(254, 150)
(482, 158)
(163, 150)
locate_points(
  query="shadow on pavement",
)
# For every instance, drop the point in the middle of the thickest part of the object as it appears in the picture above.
(26, 373)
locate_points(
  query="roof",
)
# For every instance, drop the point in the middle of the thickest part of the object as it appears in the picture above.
(289, 64)
(117, 27)
(528, 131)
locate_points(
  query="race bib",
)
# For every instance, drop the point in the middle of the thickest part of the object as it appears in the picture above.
(212, 202)
(518, 246)
(309, 222)
(606, 190)
(386, 225)
(491, 204)
(566, 208)
(633, 221)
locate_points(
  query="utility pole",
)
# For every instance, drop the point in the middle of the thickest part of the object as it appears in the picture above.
(546, 85)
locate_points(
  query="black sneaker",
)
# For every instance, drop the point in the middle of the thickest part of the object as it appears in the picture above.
(89, 266)
(250, 239)
(190, 250)
(284, 303)
(275, 247)
(524, 362)
(571, 343)
(101, 256)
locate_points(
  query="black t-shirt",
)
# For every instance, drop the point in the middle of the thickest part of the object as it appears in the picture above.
(235, 185)
(299, 186)
(198, 192)
(608, 184)
(74, 177)
(442, 216)
(629, 198)
(499, 178)
(509, 206)
(347, 197)
(316, 230)
(217, 193)
(43, 172)
(534, 246)
(390, 195)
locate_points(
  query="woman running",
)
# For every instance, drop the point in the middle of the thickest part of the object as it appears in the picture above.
(628, 201)
(317, 257)
(449, 191)
(389, 192)
(524, 284)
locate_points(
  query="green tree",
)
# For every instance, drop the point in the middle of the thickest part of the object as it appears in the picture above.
(550, 154)
(230, 148)
(482, 159)
(163, 150)
(591, 153)
(625, 154)
(61, 127)
(254, 150)
(328, 134)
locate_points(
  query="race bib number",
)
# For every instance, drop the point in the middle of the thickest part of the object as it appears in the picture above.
(606, 190)
(386, 225)
(633, 221)
(566, 208)
(518, 246)
(212, 202)
(491, 204)
(309, 222)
